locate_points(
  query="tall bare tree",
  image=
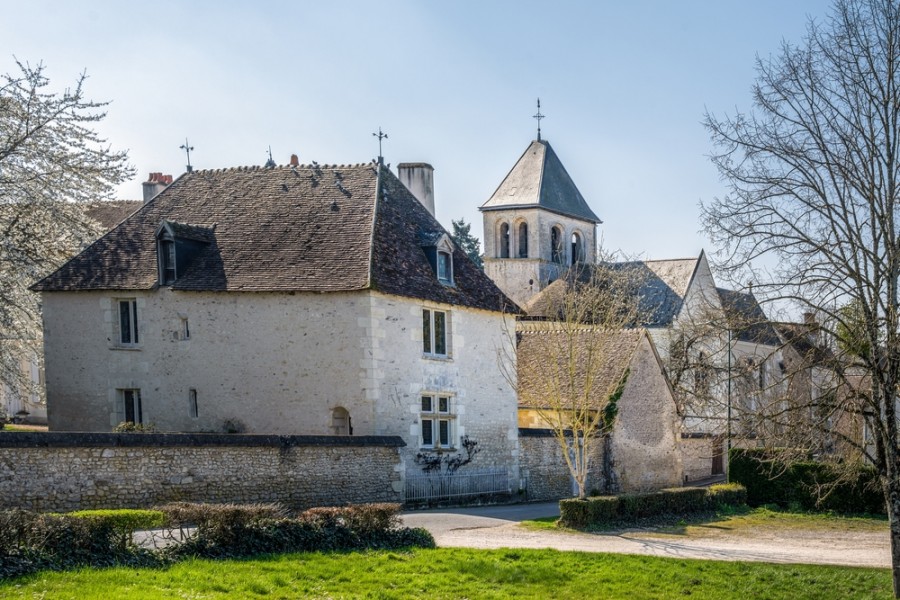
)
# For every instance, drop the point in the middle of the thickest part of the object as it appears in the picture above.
(813, 172)
(571, 363)
(51, 159)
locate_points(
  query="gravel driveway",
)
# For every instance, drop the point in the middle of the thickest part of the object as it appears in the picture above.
(498, 527)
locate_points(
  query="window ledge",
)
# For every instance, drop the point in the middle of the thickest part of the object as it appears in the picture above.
(126, 348)
(437, 357)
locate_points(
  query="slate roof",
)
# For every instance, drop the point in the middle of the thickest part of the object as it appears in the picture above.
(661, 286)
(539, 342)
(539, 179)
(746, 318)
(312, 228)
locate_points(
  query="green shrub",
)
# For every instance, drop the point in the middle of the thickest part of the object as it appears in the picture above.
(237, 531)
(604, 510)
(726, 494)
(807, 485)
(32, 541)
(124, 521)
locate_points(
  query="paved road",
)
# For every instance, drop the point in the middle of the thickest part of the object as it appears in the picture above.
(498, 527)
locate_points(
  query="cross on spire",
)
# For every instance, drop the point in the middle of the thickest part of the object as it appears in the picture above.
(538, 118)
(187, 149)
(380, 136)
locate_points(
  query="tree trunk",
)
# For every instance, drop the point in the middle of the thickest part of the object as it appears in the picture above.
(893, 507)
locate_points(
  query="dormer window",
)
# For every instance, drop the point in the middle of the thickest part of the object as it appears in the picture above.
(177, 245)
(438, 248)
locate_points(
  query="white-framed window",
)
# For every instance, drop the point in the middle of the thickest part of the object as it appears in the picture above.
(193, 409)
(434, 332)
(128, 322)
(130, 406)
(437, 422)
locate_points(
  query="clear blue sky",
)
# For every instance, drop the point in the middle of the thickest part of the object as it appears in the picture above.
(624, 86)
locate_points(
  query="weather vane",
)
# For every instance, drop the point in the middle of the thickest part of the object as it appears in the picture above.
(380, 136)
(187, 149)
(270, 164)
(538, 118)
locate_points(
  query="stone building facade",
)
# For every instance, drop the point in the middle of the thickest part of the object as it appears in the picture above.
(293, 300)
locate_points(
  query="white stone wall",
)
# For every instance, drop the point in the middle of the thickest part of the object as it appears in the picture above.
(646, 452)
(279, 363)
(482, 402)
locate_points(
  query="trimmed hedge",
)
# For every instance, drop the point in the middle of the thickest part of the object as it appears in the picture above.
(813, 486)
(604, 510)
(231, 531)
(32, 541)
(124, 522)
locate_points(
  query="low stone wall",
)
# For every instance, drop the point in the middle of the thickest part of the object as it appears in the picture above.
(70, 471)
(543, 467)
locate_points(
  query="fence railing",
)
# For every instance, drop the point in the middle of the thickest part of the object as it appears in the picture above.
(457, 485)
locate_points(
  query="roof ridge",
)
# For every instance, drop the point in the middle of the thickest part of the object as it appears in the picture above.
(310, 166)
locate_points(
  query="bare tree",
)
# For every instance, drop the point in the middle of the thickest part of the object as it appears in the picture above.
(570, 365)
(813, 173)
(50, 159)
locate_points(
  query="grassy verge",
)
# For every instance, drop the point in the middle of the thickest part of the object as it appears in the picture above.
(738, 522)
(18, 427)
(459, 573)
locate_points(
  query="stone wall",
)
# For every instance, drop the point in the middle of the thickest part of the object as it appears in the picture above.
(70, 471)
(645, 452)
(697, 456)
(543, 468)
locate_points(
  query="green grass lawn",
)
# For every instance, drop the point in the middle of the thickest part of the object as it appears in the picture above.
(742, 521)
(459, 573)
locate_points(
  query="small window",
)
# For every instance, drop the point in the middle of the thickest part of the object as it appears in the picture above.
(445, 267)
(436, 425)
(192, 403)
(556, 245)
(130, 406)
(185, 329)
(523, 240)
(128, 322)
(167, 258)
(434, 332)
(504, 240)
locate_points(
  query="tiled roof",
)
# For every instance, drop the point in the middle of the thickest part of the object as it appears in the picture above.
(746, 318)
(541, 357)
(539, 179)
(110, 213)
(308, 228)
(799, 336)
(659, 284)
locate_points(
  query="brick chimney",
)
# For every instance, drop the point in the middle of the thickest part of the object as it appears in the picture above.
(295, 161)
(419, 179)
(155, 184)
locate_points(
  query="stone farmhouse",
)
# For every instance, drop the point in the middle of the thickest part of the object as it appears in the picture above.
(301, 300)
